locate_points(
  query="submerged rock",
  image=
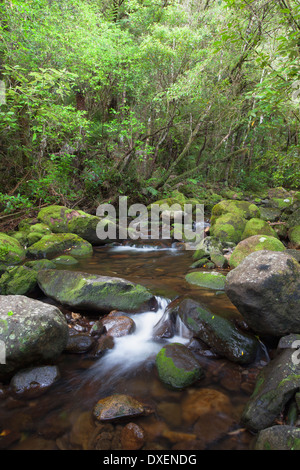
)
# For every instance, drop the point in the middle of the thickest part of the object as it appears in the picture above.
(33, 332)
(118, 407)
(94, 292)
(276, 384)
(219, 333)
(33, 382)
(177, 366)
(265, 288)
(209, 280)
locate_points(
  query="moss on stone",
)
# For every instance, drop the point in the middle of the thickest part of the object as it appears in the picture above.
(228, 227)
(40, 264)
(57, 243)
(19, 280)
(258, 227)
(177, 367)
(254, 243)
(11, 251)
(244, 209)
(294, 235)
(209, 280)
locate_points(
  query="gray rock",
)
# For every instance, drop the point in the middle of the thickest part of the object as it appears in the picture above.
(33, 382)
(265, 288)
(278, 438)
(33, 332)
(276, 384)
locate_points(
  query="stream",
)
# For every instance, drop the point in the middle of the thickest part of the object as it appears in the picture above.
(204, 416)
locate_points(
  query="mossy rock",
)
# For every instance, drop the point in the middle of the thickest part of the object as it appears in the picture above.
(207, 246)
(254, 243)
(34, 237)
(219, 260)
(270, 214)
(40, 228)
(258, 227)
(57, 243)
(218, 332)
(280, 203)
(228, 227)
(20, 236)
(208, 280)
(19, 280)
(65, 260)
(244, 209)
(95, 293)
(294, 219)
(177, 366)
(57, 218)
(294, 236)
(40, 264)
(11, 251)
(278, 437)
(25, 224)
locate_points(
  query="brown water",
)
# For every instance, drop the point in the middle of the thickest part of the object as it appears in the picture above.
(204, 416)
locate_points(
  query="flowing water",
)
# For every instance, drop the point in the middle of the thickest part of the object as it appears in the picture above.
(204, 416)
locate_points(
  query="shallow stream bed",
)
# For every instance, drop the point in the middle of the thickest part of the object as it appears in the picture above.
(206, 415)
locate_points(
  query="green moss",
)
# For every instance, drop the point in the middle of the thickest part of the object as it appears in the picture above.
(18, 281)
(209, 280)
(66, 260)
(174, 371)
(40, 264)
(254, 243)
(55, 244)
(281, 203)
(258, 227)
(228, 227)
(244, 209)
(294, 235)
(11, 251)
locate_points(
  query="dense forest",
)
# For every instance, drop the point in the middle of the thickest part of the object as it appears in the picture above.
(140, 97)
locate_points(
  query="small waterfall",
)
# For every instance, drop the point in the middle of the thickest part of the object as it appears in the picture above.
(143, 248)
(138, 349)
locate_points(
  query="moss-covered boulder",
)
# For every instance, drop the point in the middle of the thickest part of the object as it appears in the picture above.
(57, 217)
(208, 280)
(57, 243)
(265, 288)
(269, 214)
(294, 236)
(276, 384)
(252, 244)
(278, 437)
(258, 227)
(294, 219)
(228, 227)
(96, 293)
(177, 366)
(40, 228)
(244, 209)
(33, 332)
(220, 333)
(39, 264)
(21, 237)
(19, 280)
(281, 203)
(33, 237)
(65, 260)
(11, 251)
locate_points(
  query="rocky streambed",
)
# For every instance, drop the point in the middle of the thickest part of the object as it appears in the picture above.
(149, 345)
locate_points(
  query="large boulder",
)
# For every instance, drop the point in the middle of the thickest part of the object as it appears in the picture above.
(177, 366)
(265, 288)
(55, 244)
(33, 332)
(258, 227)
(276, 384)
(11, 251)
(252, 244)
(278, 437)
(220, 333)
(58, 217)
(93, 292)
(244, 209)
(228, 227)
